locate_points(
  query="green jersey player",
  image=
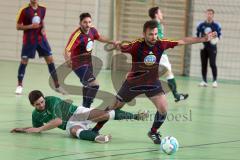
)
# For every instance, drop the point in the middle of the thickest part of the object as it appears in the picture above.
(52, 112)
(156, 14)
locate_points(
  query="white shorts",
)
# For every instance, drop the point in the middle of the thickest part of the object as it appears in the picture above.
(165, 62)
(79, 118)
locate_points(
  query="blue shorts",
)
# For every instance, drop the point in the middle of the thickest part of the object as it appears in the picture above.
(29, 50)
(85, 74)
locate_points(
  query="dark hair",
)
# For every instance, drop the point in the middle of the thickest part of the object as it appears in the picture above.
(152, 11)
(150, 24)
(34, 95)
(210, 10)
(84, 15)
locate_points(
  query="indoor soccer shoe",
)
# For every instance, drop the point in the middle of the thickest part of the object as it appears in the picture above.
(103, 138)
(203, 84)
(180, 97)
(19, 90)
(215, 85)
(61, 90)
(155, 137)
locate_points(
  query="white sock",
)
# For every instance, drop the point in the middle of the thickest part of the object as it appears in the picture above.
(111, 114)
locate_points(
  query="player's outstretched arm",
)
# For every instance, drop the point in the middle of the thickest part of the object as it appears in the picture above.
(50, 125)
(106, 40)
(192, 40)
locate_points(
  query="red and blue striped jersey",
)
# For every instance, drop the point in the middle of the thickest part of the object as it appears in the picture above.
(25, 17)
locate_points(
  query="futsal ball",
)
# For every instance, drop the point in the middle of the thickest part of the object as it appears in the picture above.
(36, 19)
(169, 145)
(214, 41)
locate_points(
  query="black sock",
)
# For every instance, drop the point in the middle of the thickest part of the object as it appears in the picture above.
(84, 91)
(99, 125)
(90, 95)
(158, 121)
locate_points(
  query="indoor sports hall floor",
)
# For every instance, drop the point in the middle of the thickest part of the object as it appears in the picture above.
(206, 125)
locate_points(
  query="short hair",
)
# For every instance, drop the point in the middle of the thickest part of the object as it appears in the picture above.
(84, 15)
(210, 10)
(150, 24)
(152, 11)
(34, 95)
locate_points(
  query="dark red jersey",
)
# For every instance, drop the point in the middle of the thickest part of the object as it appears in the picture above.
(145, 59)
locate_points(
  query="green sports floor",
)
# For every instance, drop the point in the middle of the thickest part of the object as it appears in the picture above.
(207, 125)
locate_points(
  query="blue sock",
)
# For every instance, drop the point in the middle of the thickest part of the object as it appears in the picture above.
(21, 72)
(53, 73)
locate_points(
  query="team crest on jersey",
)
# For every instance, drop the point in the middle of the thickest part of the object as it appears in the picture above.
(150, 59)
(89, 46)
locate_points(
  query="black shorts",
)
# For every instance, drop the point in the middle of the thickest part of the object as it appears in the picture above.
(129, 91)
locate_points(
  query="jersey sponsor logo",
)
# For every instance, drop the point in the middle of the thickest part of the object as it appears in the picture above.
(36, 19)
(89, 46)
(150, 59)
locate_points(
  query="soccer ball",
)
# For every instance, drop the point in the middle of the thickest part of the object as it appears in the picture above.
(214, 41)
(169, 145)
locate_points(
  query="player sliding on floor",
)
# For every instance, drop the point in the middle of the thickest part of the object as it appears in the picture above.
(75, 120)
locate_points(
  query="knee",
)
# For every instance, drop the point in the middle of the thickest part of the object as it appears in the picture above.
(213, 65)
(108, 115)
(162, 108)
(49, 60)
(74, 131)
(24, 61)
